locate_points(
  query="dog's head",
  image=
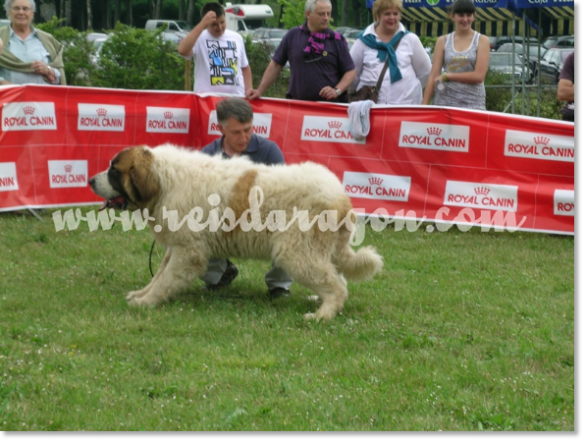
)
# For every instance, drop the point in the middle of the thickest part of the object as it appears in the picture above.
(130, 180)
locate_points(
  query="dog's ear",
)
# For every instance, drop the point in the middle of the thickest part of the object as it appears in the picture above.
(144, 180)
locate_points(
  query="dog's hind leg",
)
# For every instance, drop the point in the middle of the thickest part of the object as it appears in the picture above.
(144, 291)
(182, 268)
(323, 279)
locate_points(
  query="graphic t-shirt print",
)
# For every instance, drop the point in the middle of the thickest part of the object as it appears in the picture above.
(223, 62)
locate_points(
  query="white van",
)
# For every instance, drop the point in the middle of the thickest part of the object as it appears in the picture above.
(246, 18)
(179, 27)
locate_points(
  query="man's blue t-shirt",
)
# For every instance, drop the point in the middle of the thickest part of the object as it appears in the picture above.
(259, 150)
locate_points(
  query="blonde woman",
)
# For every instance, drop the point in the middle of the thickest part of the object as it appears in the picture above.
(408, 65)
(464, 56)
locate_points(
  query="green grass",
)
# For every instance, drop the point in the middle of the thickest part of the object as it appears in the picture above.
(461, 331)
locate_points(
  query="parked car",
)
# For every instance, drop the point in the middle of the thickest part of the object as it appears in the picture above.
(175, 30)
(508, 65)
(559, 41)
(344, 30)
(268, 33)
(552, 63)
(97, 48)
(92, 36)
(492, 43)
(517, 39)
(519, 49)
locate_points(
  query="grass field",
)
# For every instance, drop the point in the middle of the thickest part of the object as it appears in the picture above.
(461, 331)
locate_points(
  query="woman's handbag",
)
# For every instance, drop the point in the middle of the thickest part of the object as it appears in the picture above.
(371, 92)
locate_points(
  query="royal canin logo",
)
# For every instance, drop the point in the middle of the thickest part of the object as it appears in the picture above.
(374, 186)
(167, 120)
(68, 168)
(29, 110)
(101, 112)
(482, 196)
(542, 140)
(328, 130)
(539, 146)
(435, 136)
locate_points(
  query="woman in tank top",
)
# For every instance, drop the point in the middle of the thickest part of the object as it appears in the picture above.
(464, 56)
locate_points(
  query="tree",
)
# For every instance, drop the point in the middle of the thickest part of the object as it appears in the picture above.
(345, 12)
(182, 10)
(117, 7)
(129, 12)
(191, 12)
(88, 14)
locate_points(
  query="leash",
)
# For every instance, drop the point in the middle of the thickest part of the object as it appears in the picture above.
(150, 259)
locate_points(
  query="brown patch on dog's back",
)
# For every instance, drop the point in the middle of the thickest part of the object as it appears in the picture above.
(136, 166)
(239, 202)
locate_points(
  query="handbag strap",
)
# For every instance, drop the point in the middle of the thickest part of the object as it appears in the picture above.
(385, 68)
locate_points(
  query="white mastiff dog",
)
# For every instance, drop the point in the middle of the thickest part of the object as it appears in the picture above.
(201, 206)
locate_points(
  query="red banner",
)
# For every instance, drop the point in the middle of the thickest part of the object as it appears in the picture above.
(418, 162)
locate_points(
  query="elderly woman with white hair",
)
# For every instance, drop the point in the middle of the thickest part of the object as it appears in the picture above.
(30, 56)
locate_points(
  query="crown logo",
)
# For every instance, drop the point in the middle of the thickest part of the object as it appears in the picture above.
(434, 131)
(376, 181)
(334, 124)
(541, 140)
(168, 115)
(29, 110)
(481, 191)
(68, 168)
(102, 112)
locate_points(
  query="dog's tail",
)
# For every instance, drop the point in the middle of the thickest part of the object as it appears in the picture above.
(360, 265)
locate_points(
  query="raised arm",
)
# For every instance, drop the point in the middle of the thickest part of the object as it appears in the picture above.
(185, 47)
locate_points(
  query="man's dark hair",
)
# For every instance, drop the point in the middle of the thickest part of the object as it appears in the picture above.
(212, 6)
(462, 7)
(237, 108)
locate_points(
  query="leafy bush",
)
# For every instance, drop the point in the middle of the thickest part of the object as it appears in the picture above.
(139, 59)
(77, 52)
(499, 98)
(259, 58)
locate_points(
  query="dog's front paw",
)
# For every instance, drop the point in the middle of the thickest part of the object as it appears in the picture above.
(311, 317)
(140, 302)
(133, 295)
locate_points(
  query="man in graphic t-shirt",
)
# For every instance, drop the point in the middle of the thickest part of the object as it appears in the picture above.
(221, 64)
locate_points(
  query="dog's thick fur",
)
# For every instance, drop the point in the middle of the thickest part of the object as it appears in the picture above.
(178, 179)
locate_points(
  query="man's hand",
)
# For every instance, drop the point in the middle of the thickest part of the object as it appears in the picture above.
(329, 93)
(208, 18)
(252, 94)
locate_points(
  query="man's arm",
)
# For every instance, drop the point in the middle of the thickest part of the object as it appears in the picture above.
(329, 92)
(566, 90)
(247, 74)
(270, 75)
(185, 47)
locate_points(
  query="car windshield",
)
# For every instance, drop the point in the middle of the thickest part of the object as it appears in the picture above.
(277, 33)
(184, 25)
(503, 59)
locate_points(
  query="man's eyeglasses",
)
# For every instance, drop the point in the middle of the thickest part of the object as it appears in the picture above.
(23, 9)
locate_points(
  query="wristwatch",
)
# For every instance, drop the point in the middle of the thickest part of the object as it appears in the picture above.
(338, 92)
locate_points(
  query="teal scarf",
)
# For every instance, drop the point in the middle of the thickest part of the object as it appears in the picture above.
(385, 50)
